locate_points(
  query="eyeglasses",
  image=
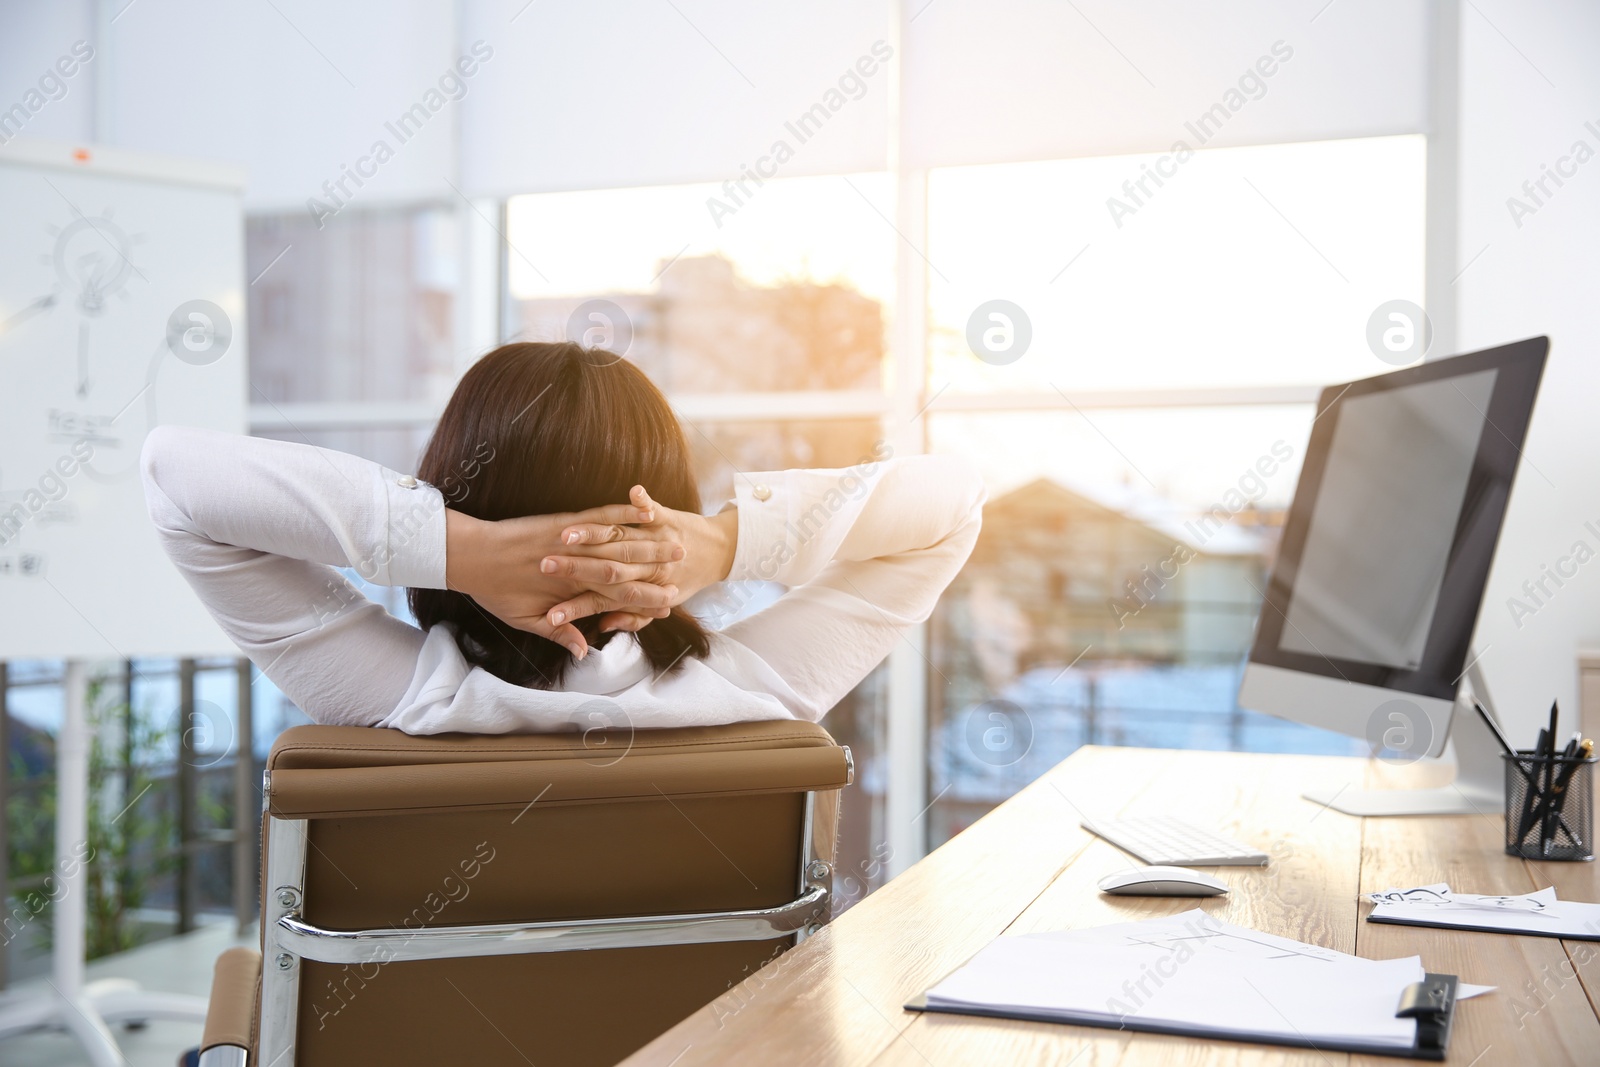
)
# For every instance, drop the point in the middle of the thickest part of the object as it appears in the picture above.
(1424, 895)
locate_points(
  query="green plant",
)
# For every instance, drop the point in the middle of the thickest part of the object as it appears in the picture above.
(131, 836)
(130, 833)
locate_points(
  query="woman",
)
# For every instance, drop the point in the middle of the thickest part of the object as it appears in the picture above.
(538, 592)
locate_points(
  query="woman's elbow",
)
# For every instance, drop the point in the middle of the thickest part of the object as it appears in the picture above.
(969, 483)
(157, 444)
(164, 447)
(961, 485)
(169, 455)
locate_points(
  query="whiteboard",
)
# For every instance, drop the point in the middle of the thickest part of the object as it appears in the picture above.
(121, 308)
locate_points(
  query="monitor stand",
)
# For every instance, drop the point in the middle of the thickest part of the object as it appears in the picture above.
(1480, 782)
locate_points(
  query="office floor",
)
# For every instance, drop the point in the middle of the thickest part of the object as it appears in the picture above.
(175, 965)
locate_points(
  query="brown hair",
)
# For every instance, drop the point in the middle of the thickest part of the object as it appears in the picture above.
(540, 428)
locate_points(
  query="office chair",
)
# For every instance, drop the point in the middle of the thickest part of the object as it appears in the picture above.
(555, 899)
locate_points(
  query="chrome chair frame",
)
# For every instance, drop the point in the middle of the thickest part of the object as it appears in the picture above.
(225, 1056)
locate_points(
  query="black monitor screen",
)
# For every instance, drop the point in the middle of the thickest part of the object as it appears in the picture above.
(1384, 518)
(1389, 540)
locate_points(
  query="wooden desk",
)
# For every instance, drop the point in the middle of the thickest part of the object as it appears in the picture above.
(1027, 867)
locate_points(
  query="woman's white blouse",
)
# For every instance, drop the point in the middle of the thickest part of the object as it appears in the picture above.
(259, 527)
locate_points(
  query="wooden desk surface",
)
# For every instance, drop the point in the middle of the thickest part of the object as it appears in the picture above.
(1028, 867)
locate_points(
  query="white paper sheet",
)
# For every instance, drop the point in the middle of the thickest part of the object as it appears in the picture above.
(1175, 928)
(1195, 974)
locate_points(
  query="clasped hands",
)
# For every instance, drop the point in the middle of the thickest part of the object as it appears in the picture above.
(627, 563)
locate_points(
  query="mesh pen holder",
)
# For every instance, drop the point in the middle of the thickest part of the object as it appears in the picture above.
(1543, 823)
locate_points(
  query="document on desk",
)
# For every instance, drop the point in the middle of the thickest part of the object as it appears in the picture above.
(1193, 975)
(1540, 914)
(1238, 940)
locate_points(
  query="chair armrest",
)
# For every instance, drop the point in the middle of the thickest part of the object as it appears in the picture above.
(232, 1009)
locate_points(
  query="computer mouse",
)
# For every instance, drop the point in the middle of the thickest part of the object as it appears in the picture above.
(1162, 882)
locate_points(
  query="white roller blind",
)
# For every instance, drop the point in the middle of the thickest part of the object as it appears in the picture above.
(647, 92)
(1009, 80)
(295, 90)
(617, 93)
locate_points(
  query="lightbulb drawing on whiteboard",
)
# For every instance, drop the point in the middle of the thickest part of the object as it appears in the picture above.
(91, 256)
(92, 275)
(92, 260)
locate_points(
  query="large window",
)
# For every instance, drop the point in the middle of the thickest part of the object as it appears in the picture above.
(789, 291)
(1113, 592)
(1246, 267)
(360, 309)
(1140, 427)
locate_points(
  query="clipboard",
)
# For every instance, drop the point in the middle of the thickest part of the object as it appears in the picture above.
(1562, 935)
(1568, 920)
(1431, 1002)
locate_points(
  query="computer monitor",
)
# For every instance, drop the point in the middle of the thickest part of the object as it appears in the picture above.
(1369, 612)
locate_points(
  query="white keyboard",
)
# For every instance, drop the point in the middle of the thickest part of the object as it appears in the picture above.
(1165, 841)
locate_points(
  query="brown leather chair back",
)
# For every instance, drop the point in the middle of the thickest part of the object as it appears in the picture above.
(428, 834)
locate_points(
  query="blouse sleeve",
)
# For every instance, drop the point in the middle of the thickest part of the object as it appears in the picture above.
(866, 552)
(258, 528)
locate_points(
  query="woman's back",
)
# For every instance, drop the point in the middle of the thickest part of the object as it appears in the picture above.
(260, 528)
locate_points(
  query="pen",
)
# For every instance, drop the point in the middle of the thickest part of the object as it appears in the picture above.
(1500, 738)
(1552, 763)
(1562, 767)
(1550, 738)
(1494, 728)
(1585, 753)
(1540, 802)
(1560, 775)
(1535, 789)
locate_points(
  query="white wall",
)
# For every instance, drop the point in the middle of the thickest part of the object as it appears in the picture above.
(1530, 84)
(33, 37)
